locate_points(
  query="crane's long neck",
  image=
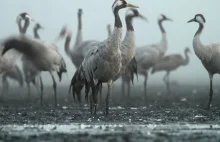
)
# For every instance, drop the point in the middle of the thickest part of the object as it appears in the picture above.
(128, 44)
(161, 26)
(26, 25)
(36, 35)
(164, 41)
(67, 45)
(20, 28)
(129, 24)
(79, 32)
(115, 38)
(201, 51)
(186, 60)
(118, 23)
(109, 31)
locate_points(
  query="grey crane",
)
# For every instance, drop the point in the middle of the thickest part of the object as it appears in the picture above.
(170, 63)
(81, 48)
(7, 62)
(14, 73)
(208, 54)
(43, 55)
(147, 56)
(128, 46)
(30, 71)
(103, 63)
(74, 55)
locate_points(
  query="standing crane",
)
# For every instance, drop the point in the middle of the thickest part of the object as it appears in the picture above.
(14, 73)
(103, 63)
(73, 53)
(43, 55)
(7, 62)
(171, 63)
(147, 56)
(128, 46)
(30, 71)
(208, 54)
(26, 65)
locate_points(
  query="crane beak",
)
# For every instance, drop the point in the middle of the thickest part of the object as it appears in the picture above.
(143, 17)
(192, 20)
(57, 39)
(29, 17)
(168, 19)
(131, 5)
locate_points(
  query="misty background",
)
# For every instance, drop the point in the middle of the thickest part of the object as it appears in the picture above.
(53, 15)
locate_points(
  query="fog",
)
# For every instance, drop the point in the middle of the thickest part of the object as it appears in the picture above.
(98, 13)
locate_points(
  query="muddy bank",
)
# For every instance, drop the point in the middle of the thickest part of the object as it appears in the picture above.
(180, 116)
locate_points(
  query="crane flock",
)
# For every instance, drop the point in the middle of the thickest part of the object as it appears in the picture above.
(99, 62)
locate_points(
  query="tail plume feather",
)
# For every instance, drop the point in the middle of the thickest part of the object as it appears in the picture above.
(132, 69)
(77, 84)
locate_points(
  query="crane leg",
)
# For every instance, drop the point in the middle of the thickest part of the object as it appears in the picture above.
(91, 97)
(211, 91)
(123, 88)
(55, 89)
(5, 86)
(110, 83)
(145, 86)
(129, 89)
(167, 82)
(87, 88)
(41, 91)
(100, 94)
(29, 90)
(97, 88)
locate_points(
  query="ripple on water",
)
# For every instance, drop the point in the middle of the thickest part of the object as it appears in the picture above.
(109, 128)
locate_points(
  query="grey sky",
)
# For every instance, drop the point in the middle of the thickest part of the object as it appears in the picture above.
(97, 14)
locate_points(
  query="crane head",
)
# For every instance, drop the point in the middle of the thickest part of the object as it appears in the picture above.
(119, 4)
(135, 13)
(187, 50)
(80, 11)
(63, 33)
(24, 16)
(38, 26)
(199, 18)
(164, 18)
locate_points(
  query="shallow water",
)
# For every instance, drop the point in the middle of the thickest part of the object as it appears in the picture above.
(177, 117)
(75, 128)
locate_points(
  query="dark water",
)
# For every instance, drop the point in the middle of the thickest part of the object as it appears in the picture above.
(179, 116)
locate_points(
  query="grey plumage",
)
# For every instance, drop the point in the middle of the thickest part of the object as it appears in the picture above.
(170, 63)
(75, 54)
(14, 73)
(8, 60)
(43, 55)
(148, 56)
(128, 46)
(109, 30)
(103, 63)
(30, 71)
(208, 54)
